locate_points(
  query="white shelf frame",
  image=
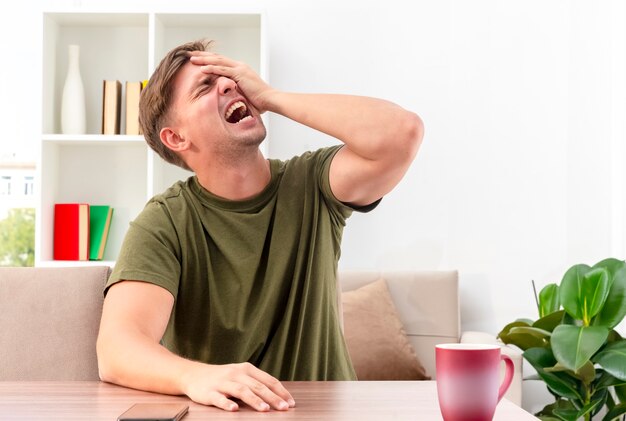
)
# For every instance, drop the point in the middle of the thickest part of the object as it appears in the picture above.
(60, 170)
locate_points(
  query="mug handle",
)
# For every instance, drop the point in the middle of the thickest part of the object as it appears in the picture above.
(508, 376)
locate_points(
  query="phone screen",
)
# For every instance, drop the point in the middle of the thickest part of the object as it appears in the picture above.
(154, 412)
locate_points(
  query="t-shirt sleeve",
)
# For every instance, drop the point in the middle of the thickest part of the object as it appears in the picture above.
(341, 209)
(150, 251)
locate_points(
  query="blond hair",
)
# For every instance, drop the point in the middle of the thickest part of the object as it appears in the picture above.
(156, 97)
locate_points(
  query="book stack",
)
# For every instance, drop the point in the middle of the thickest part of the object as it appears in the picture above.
(81, 231)
(112, 106)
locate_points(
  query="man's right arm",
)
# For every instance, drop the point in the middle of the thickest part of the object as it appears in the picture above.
(134, 318)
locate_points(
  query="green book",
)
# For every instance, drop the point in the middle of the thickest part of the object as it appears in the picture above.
(99, 225)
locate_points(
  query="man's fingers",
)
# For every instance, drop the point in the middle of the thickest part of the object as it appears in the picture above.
(220, 401)
(267, 395)
(272, 384)
(243, 392)
(216, 399)
(222, 385)
(218, 70)
(214, 59)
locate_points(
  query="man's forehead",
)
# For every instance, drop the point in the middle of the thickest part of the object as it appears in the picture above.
(189, 74)
(187, 77)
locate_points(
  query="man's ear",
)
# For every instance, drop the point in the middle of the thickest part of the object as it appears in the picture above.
(172, 140)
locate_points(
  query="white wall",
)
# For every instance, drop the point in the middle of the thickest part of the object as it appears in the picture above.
(520, 174)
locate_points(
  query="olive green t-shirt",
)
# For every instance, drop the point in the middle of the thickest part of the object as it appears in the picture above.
(253, 280)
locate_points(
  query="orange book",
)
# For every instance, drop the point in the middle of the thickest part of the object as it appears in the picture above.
(71, 231)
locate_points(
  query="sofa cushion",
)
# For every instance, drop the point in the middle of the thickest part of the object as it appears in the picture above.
(375, 336)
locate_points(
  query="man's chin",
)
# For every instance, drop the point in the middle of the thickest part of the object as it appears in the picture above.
(255, 139)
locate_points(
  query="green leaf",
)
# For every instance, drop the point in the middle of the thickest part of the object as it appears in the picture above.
(549, 300)
(569, 320)
(570, 290)
(614, 308)
(614, 336)
(524, 320)
(533, 331)
(525, 341)
(560, 383)
(610, 402)
(620, 392)
(547, 413)
(573, 346)
(522, 340)
(615, 412)
(586, 374)
(611, 264)
(566, 414)
(613, 359)
(599, 400)
(606, 380)
(550, 321)
(506, 329)
(595, 289)
(573, 414)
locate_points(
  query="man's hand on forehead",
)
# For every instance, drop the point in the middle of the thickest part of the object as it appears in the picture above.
(248, 81)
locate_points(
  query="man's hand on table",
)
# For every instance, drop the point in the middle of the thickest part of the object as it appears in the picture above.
(216, 384)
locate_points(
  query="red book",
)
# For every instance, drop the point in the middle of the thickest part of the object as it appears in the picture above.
(71, 231)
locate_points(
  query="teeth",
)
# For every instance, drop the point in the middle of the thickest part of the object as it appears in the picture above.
(246, 118)
(233, 107)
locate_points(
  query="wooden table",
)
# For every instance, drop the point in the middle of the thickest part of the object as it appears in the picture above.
(360, 401)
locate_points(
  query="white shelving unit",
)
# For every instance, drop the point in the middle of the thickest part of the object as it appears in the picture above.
(118, 170)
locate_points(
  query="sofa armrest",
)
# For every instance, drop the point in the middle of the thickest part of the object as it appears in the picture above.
(514, 394)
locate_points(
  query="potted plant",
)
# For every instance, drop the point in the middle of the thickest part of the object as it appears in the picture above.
(573, 344)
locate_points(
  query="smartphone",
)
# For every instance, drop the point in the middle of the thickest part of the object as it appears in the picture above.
(154, 412)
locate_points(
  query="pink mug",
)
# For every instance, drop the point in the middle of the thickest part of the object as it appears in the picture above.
(468, 380)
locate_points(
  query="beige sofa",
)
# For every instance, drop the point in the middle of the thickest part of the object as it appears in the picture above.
(49, 319)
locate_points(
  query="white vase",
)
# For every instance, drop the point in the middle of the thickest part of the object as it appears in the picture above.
(73, 103)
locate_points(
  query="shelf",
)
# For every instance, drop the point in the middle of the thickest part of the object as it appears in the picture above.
(113, 46)
(91, 139)
(118, 170)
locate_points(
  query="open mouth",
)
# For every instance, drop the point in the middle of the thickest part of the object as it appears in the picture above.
(237, 113)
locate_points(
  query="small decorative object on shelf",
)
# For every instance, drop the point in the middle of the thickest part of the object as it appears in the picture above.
(73, 118)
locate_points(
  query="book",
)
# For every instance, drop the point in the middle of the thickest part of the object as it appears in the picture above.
(71, 231)
(133, 90)
(111, 106)
(99, 225)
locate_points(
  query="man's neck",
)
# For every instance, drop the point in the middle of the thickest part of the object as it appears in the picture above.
(239, 179)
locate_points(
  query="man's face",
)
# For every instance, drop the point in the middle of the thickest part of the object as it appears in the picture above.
(211, 113)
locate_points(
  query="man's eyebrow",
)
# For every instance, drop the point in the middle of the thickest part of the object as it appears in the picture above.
(195, 88)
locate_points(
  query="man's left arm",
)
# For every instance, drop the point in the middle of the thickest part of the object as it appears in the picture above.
(381, 138)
